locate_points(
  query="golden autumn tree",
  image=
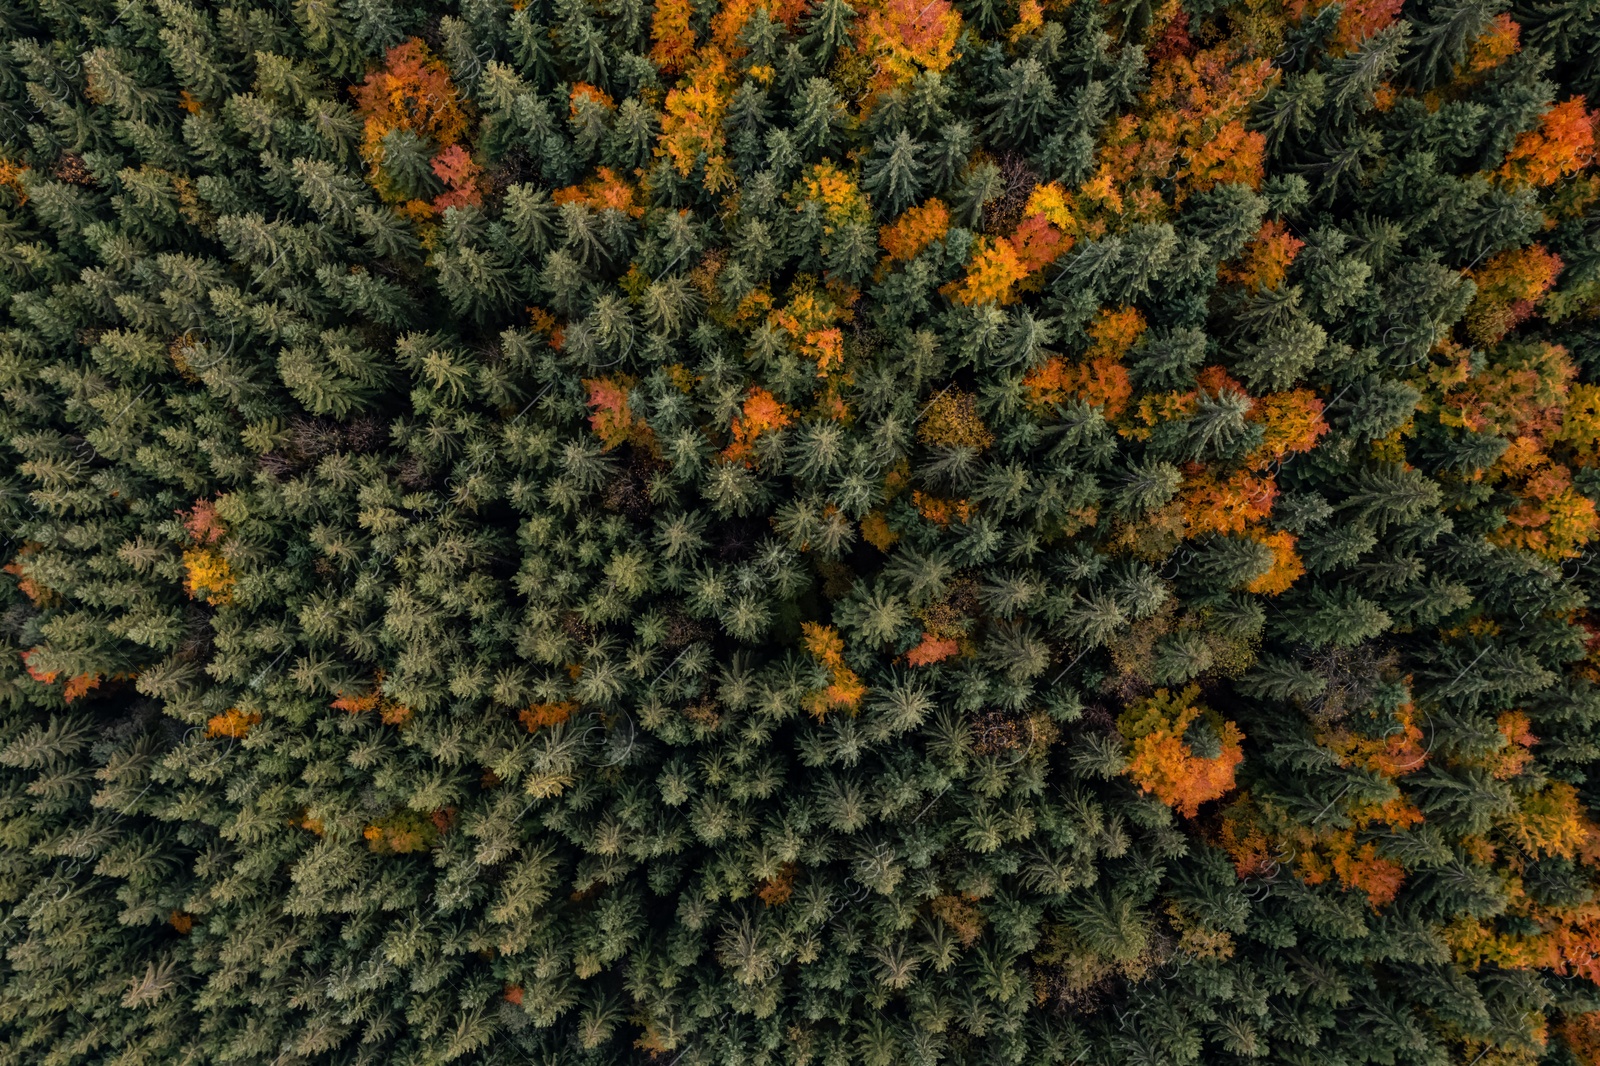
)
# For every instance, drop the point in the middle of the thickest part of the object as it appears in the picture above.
(412, 91)
(1162, 733)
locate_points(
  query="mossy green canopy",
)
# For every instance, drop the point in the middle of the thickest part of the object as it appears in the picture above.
(885, 532)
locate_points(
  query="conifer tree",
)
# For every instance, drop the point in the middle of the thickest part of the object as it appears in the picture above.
(832, 532)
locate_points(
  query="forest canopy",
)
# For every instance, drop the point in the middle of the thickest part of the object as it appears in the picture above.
(761, 532)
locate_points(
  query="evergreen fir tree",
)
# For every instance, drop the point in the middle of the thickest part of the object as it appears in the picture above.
(855, 532)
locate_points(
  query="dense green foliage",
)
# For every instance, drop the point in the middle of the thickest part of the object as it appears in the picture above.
(582, 531)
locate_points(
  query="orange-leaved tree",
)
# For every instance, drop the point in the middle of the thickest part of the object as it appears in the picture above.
(1163, 731)
(844, 689)
(412, 91)
(1562, 144)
